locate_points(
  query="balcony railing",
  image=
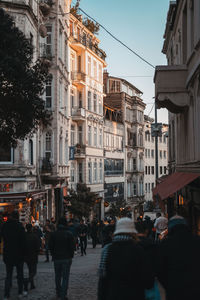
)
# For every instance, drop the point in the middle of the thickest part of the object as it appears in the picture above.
(80, 151)
(78, 76)
(82, 39)
(78, 112)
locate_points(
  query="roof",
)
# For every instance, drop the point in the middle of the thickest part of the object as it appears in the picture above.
(173, 183)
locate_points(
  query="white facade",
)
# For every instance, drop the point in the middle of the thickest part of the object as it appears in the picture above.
(149, 157)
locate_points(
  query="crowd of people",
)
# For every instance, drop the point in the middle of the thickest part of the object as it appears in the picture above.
(134, 258)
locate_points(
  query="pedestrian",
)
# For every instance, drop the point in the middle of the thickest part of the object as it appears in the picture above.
(108, 232)
(74, 230)
(37, 230)
(160, 225)
(61, 244)
(47, 232)
(31, 256)
(14, 249)
(93, 233)
(178, 261)
(83, 231)
(124, 272)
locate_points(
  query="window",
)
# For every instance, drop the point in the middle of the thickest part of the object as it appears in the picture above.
(148, 137)
(152, 153)
(164, 154)
(60, 95)
(149, 187)
(160, 170)
(89, 135)
(60, 43)
(141, 192)
(145, 152)
(140, 139)
(89, 172)
(164, 139)
(100, 73)
(89, 101)
(66, 152)
(89, 66)
(49, 41)
(165, 170)
(48, 94)
(160, 138)
(72, 172)
(152, 170)
(72, 98)
(112, 141)
(48, 145)
(30, 152)
(134, 164)
(146, 170)
(72, 135)
(95, 171)
(95, 103)
(100, 137)
(60, 151)
(80, 102)
(95, 69)
(114, 86)
(141, 165)
(149, 170)
(152, 185)
(80, 134)
(145, 187)
(95, 136)
(148, 152)
(100, 171)
(100, 106)
(80, 172)
(140, 116)
(113, 167)
(107, 139)
(128, 189)
(160, 153)
(134, 189)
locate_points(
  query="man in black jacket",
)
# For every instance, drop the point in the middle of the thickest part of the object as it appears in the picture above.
(179, 261)
(14, 249)
(61, 245)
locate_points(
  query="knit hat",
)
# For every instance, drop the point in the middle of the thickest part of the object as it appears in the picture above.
(176, 220)
(125, 225)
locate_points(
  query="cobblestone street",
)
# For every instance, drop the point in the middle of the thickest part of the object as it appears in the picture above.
(83, 278)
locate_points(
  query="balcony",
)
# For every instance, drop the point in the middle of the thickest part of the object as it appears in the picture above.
(170, 88)
(78, 78)
(79, 42)
(78, 114)
(45, 51)
(79, 151)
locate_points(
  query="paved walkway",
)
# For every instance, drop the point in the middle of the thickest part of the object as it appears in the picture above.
(83, 278)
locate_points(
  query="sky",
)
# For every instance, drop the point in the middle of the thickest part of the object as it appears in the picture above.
(140, 24)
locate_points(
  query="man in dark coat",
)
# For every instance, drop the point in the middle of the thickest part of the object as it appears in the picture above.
(124, 272)
(61, 244)
(179, 262)
(31, 256)
(83, 231)
(93, 233)
(14, 249)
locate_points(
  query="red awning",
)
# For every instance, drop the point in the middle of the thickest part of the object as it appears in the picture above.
(173, 183)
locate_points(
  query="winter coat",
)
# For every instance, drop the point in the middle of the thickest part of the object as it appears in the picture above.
(178, 264)
(61, 244)
(33, 248)
(124, 272)
(14, 242)
(83, 230)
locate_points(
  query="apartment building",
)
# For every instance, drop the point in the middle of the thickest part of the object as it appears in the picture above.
(149, 157)
(86, 122)
(114, 155)
(177, 88)
(125, 97)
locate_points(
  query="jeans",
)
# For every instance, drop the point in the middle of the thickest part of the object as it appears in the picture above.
(83, 244)
(62, 270)
(32, 269)
(8, 280)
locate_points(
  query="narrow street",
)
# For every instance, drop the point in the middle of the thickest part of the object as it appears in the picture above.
(83, 278)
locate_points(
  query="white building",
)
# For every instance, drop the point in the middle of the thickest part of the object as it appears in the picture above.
(149, 157)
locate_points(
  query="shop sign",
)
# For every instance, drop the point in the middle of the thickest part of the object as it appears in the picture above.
(71, 152)
(6, 187)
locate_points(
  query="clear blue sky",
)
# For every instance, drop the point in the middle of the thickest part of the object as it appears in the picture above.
(140, 24)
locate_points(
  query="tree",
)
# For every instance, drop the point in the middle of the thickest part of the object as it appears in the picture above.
(119, 209)
(22, 83)
(92, 26)
(81, 201)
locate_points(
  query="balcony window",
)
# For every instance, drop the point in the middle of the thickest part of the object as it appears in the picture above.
(48, 145)
(72, 100)
(72, 135)
(48, 94)
(148, 152)
(165, 154)
(89, 101)
(80, 101)
(90, 172)
(152, 185)
(95, 103)
(113, 167)
(145, 187)
(95, 136)
(89, 135)
(165, 170)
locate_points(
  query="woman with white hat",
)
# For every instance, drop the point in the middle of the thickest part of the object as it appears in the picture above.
(124, 272)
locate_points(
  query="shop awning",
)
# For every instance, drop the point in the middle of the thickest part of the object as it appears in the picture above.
(173, 183)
